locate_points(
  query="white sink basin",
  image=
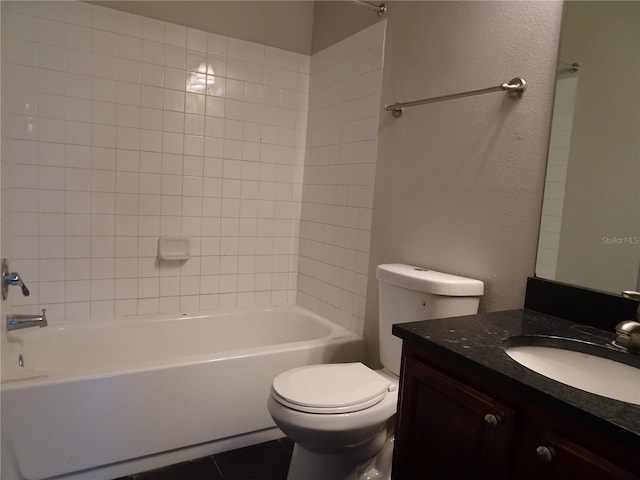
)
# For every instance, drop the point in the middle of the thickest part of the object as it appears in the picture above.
(591, 373)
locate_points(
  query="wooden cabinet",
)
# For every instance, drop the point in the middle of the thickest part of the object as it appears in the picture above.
(453, 426)
(563, 459)
(450, 430)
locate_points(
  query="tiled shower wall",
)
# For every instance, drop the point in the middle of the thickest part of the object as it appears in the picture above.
(120, 129)
(339, 172)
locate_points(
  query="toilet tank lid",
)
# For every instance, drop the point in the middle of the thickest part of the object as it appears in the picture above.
(428, 281)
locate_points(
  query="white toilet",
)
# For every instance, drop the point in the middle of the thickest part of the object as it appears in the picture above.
(341, 416)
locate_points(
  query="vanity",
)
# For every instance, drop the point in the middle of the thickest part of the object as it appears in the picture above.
(467, 410)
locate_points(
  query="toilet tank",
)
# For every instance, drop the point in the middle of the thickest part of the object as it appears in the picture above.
(408, 294)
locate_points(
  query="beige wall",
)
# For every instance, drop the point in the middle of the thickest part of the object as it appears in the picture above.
(282, 24)
(296, 25)
(602, 195)
(336, 20)
(459, 183)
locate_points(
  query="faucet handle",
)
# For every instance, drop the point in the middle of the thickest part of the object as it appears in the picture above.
(10, 278)
(23, 287)
(13, 278)
(632, 294)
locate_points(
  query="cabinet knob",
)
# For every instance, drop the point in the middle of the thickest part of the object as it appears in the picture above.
(545, 454)
(492, 420)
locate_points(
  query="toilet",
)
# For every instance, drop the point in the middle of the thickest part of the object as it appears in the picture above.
(341, 416)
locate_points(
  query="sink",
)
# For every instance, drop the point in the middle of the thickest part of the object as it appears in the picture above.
(593, 368)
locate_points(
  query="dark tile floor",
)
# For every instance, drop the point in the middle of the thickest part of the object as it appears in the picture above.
(265, 461)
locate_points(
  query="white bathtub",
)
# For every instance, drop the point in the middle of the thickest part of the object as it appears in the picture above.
(98, 400)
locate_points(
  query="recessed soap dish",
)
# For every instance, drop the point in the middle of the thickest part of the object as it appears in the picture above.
(174, 247)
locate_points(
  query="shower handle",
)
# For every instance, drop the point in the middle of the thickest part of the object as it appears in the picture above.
(11, 278)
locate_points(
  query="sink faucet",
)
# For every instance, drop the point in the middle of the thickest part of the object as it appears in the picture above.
(628, 332)
(17, 321)
(628, 335)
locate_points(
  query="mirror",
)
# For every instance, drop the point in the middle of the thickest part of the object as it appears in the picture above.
(590, 227)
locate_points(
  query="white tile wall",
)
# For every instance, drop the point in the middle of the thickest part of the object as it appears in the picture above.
(339, 173)
(120, 128)
(554, 189)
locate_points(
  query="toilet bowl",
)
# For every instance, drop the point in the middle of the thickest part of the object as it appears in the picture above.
(337, 415)
(341, 417)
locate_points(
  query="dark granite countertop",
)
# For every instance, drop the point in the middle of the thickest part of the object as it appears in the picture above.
(476, 343)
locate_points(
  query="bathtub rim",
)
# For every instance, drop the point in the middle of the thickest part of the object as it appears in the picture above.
(34, 378)
(163, 317)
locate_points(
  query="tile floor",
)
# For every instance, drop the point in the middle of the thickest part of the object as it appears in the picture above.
(265, 461)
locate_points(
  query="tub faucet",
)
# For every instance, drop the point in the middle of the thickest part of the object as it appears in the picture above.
(17, 321)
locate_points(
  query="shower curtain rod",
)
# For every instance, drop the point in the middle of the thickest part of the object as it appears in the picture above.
(381, 8)
(514, 88)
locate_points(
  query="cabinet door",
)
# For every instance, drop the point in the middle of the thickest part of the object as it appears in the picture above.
(447, 430)
(564, 460)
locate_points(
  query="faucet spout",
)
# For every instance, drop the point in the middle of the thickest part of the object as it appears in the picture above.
(628, 335)
(16, 321)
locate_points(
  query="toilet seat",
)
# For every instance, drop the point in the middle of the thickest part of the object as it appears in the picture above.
(330, 388)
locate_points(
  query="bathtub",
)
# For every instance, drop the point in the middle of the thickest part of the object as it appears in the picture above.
(103, 399)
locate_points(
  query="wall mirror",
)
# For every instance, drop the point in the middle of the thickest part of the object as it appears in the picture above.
(590, 227)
